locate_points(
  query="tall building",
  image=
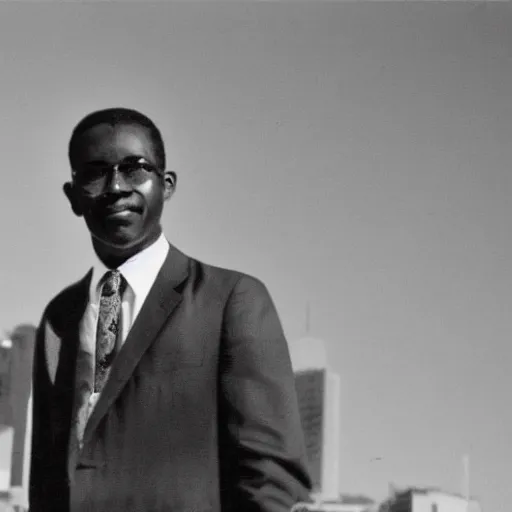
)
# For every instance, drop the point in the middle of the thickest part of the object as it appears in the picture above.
(318, 392)
(5, 382)
(310, 385)
(6, 429)
(16, 354)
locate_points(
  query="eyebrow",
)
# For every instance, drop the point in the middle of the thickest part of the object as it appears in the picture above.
(128, 159)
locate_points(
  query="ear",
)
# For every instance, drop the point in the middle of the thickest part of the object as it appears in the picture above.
(170, 180)
(71, 193)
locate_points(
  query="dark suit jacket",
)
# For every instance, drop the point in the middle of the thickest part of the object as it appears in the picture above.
(199, 413)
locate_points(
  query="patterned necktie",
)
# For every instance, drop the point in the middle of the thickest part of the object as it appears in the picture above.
(109, 324)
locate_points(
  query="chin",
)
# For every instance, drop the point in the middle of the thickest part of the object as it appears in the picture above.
(120, 239)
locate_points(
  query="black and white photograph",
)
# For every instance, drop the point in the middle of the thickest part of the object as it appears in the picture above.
(256, 256)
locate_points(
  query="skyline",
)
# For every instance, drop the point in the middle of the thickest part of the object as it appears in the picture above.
(353, 155)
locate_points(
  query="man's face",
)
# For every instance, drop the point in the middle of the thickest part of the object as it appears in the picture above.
(122, 213)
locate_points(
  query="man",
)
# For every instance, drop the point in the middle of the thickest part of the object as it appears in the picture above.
(160, 383)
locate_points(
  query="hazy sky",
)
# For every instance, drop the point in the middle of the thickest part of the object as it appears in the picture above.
(353, 155)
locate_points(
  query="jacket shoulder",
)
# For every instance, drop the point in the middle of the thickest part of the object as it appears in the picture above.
(67, 298)
(226, 278)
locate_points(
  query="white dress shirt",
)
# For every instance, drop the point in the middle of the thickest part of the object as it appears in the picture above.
(140, 272)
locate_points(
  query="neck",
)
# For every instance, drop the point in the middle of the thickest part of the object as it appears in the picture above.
(114, 256)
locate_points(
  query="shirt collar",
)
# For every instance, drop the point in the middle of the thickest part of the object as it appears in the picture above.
(140, 270)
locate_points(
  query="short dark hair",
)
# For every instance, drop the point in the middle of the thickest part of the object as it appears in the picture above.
(116, 116)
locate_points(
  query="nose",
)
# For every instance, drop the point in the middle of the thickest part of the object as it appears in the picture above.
(116, 182)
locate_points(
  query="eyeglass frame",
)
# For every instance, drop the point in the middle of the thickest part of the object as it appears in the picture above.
(114, 169)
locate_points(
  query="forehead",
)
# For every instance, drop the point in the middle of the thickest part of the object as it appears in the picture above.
(112, 144)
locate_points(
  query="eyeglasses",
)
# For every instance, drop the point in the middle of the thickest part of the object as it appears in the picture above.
(94, 177)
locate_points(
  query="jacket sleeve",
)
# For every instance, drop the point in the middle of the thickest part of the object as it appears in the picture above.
(260, 421)
(40, 449)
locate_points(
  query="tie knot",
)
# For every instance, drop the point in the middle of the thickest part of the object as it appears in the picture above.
(112, 281)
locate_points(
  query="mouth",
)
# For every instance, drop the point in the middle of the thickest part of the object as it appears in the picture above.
(119, 213)
(120, 210)
(122, 214)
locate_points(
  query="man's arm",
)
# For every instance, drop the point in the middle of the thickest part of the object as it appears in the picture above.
(259, 405)
(40, 425)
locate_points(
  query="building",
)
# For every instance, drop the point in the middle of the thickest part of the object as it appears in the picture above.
(6, 424)
(429, 500)
(16, 354)
(318, 392)
(5, 382)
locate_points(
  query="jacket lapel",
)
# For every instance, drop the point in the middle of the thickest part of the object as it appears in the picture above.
(161, 301)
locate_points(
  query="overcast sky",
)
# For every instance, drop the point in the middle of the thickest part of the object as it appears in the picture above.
(356, 156)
